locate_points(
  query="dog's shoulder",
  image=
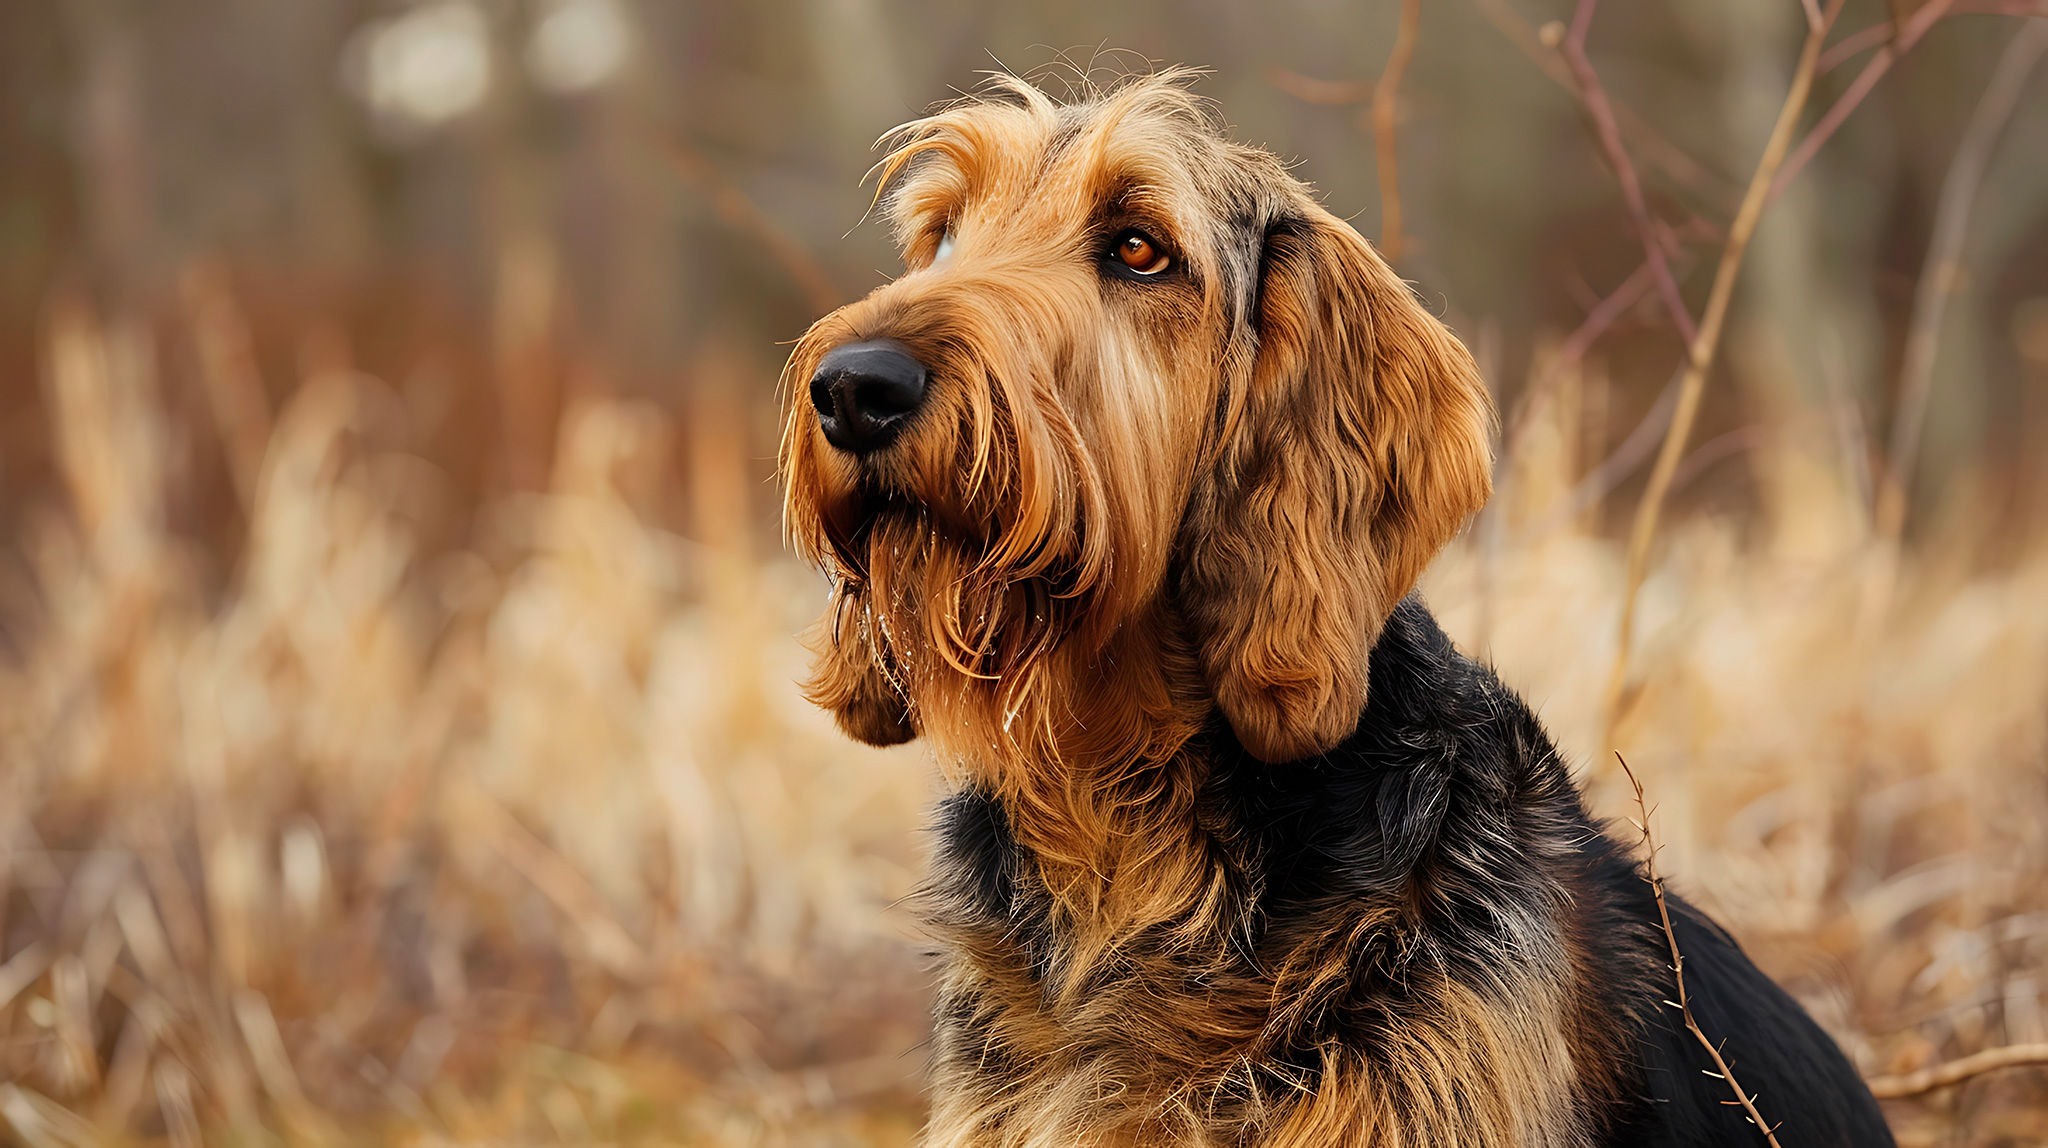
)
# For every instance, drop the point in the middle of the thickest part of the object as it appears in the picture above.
(1451, 802)
(1448, 776)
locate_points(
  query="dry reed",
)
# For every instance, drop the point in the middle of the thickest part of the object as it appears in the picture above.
(528, 839)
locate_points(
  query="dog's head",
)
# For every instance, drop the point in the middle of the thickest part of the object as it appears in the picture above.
(1134, 372)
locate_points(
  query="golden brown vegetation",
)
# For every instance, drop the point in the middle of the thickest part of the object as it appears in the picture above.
(352, 794)
(526, 840)
(533, 839)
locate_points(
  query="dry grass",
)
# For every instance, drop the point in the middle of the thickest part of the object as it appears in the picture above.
(529, 838)
(530, 841)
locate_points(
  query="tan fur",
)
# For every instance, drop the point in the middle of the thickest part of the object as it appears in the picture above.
(1363, 448)
(1124, 507)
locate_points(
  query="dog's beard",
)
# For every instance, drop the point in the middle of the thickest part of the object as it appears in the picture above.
(963, 640)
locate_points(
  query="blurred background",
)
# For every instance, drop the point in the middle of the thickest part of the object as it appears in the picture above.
(398, 736)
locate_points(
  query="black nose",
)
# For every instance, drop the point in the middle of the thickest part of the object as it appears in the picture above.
(865, 393)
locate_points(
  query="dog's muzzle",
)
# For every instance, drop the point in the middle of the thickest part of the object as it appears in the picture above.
(865, 393)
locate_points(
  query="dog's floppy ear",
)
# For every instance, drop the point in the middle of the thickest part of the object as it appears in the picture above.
(846, 681)
(1357, 445)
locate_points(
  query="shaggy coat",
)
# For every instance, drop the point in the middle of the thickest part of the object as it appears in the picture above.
(1240, 851)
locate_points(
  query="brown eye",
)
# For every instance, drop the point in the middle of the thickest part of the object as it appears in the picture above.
(1135, 250)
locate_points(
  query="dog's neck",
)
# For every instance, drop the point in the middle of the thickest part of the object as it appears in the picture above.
(1100, 784)
(1115, 844)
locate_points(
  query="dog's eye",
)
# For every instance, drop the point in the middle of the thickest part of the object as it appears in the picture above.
(1137, 251)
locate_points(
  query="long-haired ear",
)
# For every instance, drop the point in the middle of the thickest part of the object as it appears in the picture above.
(1356, 448)
(848, 682)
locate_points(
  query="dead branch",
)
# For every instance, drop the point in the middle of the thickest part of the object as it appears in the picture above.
(1575, 347)
(737, 210)
(1909, 33)
(1956, 1071)
(1602, 315)
(1383, 97)
(1594, 97)
(1542, 51)
(1600, 481)
(1311, 90)
(1599, 317)
(1656, 881)
(1942, 271)
(1715, 450)
(1856, 43)
(1701, 358)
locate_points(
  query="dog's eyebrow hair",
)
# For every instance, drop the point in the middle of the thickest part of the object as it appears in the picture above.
(1061, 139)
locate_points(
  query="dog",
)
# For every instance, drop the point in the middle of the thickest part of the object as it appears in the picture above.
(1124, 487)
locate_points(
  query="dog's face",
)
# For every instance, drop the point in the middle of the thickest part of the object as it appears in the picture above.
(1133, 377)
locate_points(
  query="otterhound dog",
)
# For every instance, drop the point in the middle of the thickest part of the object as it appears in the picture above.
(1123, 487)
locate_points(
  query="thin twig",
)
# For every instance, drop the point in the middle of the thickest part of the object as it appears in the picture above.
(735, 208)
(1594, 96)
(1701, 358)
(1600, 481)
(1715, 450)
(1310, 90)
(1856, 43)
(1909, 33)
(1599, 317)
(1575, 347)
(1384, 94)
(1684, 1003)
(1603, 314)
(1654, 147)
(1956, 1071)
(1943, 269)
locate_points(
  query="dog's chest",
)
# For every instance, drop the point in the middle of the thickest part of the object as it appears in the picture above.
(1213, 1024)
(1043, 1031)
(1139, 963)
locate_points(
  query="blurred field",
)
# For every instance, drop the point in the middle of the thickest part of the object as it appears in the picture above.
(528, 839)
(532, 840)
(397, 723)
